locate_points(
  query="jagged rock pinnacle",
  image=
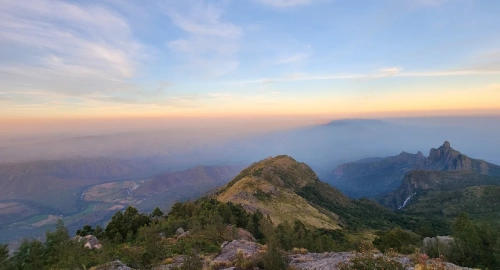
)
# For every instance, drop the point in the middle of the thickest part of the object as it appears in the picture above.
(446, 144)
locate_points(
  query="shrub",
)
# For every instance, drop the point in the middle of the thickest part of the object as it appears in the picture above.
(402, 241)
(274, 259)
(192, 262)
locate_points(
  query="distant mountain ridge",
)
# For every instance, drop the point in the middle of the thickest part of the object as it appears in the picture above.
(22, 180)
(446, 158)
(201, 175)
(418, 181)
(374, 177)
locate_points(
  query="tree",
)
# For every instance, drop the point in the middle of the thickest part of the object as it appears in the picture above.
(4, 257)
(474, 245)
(29, 255)
(56, 243)
(156, 213)
(274, 258)
(124, 226)
(86, 230)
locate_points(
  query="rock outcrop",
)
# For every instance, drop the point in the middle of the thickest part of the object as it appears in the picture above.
(230, 251)
(114, 265)
(91, 242)
(332, 261)
(439, 245)
(319, 261)
(372, 177)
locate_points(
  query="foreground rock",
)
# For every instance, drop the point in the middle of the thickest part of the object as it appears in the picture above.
(114, 265)
(241, 234)
(319, 261)
(229, 252)
(332, 261)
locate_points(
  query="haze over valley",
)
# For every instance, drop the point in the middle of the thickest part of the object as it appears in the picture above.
(249, 134)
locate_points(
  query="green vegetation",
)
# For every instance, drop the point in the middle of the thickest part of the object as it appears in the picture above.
(274, 258)
(475, 245)
(142, 241)
(480, 202)
(4, 257)
(196, 230)
(404, 242)
(367, 214)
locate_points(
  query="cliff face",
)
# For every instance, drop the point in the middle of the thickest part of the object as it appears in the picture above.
(417, 184)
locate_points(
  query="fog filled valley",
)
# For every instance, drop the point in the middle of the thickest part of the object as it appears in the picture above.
(82, 180)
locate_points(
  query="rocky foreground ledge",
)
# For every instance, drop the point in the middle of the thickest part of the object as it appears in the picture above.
(236, 250)
(333, 260)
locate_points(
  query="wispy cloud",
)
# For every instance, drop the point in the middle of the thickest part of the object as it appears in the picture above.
(295, 58)
(429, 2)
(64, 47)
(379, 74)
(211, 44)
(285, 3)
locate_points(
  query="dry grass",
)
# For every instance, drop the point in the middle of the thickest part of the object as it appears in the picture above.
(299, 251)
(282, 205)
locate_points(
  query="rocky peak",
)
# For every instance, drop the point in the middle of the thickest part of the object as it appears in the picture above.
(444, 151)
(446, 144)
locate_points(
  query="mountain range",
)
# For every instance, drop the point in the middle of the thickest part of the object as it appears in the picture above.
(35, 194)
(375, 177)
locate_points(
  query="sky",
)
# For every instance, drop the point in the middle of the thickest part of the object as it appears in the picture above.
(251, 58)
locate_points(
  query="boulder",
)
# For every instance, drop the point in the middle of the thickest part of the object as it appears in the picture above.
(437, 246)
(179, 231)
(91, 242)
(319, 261)
(331, 261)
(114, 265)
(242, 234)
(230, 251)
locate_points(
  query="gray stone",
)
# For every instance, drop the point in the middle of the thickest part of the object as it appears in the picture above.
(439, 245)
(179, 231)
(229, 251)
(91, 242)
(114, 265)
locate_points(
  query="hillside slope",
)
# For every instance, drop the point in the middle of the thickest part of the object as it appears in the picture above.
(270, 186)
(287, 190)
(199, 176)
(22, 180)
(446, 193)
(380, 174)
